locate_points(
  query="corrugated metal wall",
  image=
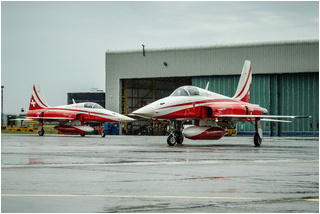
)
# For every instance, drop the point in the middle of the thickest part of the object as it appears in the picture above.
(267, 58)
(299, 94)
(281, 94)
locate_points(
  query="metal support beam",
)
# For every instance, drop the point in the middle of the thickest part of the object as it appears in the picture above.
(124, 102)
(154, 90)
(2, 106)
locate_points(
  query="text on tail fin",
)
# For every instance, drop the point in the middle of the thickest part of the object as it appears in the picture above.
(37, 100)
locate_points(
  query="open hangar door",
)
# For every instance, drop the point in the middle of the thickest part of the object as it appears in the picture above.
(137, 93)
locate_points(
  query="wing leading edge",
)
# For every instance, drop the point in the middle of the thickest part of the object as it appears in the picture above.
(264, 117)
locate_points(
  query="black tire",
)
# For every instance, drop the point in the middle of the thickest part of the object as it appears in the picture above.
(179, 138)
(257, 140)
(82, 135)
(41, 132)
(171, 140)
(103, 133)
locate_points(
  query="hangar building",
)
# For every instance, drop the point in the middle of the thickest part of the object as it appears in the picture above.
(285, 79)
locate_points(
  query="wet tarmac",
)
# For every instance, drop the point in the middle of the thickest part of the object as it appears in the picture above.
(142, 174)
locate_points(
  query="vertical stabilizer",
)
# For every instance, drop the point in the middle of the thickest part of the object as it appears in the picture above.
(243, 90)
(37, 100)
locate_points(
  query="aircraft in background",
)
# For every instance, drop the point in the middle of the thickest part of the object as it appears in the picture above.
(72, 117)
(211, 112)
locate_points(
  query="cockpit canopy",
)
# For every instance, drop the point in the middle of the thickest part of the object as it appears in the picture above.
(92, 105)
(186, 91)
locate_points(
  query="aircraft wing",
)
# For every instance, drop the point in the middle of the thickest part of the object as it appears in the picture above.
(51, 118)
(18, 119)
(44, 118)
(260, 116)
(264, 117)
(273, 120)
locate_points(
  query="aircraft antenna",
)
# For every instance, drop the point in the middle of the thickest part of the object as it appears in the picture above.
(207, 86)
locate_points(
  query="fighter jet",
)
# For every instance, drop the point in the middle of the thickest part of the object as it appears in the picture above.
(72, 117)
(211, 112)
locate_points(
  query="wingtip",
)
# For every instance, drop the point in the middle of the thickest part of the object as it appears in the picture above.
(302, 116)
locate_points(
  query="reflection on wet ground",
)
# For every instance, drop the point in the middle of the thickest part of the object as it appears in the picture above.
(142, 174)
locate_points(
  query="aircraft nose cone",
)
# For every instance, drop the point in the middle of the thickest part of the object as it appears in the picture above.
(145, 111)
(124, 118)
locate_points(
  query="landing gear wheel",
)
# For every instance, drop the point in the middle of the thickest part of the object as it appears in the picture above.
(82, 135)
(41, 132)
(179, 138)
(257, 140)
(171, 140)
(103, 133)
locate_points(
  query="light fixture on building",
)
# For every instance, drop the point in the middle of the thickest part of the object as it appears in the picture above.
(143, 51)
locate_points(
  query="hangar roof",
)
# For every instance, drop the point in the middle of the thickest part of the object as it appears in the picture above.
(267, 57)
(232, 45)
(300, 56)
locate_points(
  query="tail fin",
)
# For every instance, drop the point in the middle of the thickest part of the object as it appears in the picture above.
(37, 100)
(243, 90)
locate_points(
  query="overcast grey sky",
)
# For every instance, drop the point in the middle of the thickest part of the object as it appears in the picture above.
(61, 45)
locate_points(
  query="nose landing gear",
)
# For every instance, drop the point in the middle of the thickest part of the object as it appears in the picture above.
(40, 128)
(257, 139)
(175, 136)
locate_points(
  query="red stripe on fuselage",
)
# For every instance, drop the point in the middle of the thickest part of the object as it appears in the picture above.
(204, 102)
(78, 110)
(37, 112)
(201, 102)
(232, 106)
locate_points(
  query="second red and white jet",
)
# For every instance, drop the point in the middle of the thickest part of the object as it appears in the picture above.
(211, 112)
(71, 118)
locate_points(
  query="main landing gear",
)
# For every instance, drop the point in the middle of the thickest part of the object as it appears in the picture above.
(103, 130)
(40, 128)
(41, 132)
(175, 136)
(257, 139)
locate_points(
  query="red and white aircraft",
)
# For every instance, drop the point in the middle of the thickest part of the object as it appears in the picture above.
(72, 117)
(210, 111)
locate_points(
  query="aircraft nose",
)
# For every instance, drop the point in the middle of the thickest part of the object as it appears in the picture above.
(124, 118)
(145, 111)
